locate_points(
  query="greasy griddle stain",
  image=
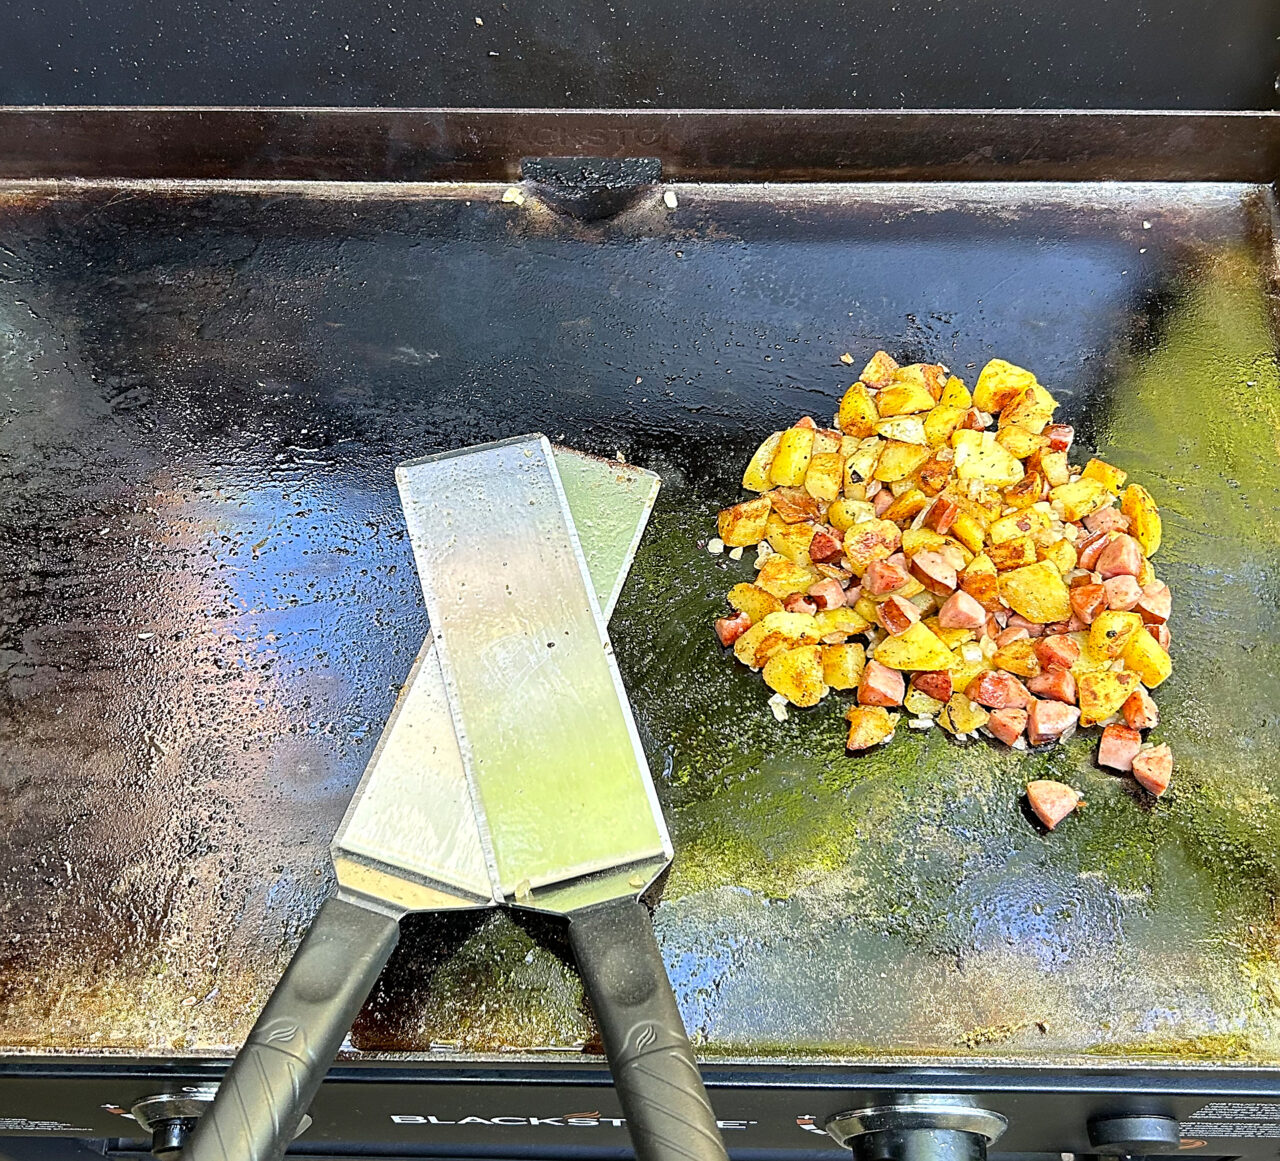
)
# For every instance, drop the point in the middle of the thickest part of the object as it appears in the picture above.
(207, 603)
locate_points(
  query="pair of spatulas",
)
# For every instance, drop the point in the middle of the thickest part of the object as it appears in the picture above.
(510, 771)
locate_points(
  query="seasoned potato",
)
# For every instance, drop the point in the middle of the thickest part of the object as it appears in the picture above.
(917, 648)
(898, 460)
(1144, 517)
(842, 665)
(1110, 632)
(791, 461)
(865, 607)
(921, 704)
(907, 506)
(870, 540)
(1012, 554)
(841, 620)
(903, 398)
(783, 631)
(969, 532)
(1018, 657)
(843, 514)
(979, 457)
(1088, 661)
(825, 478)
(861, 462)
(825, 442)
(949, 637)
(794, 505)
(1025, 523)
(1078, 500)
(857, 414)
(1142, 654)
(782, 577)
(756, 477)
(797, 675)
(916, 539)
(1038, 592)
(998, 384)
(940, 423)
(1101, 693)
(962, 716)
(744, 523)
(744, 648)
(869, 725)
(903, 429)
(1025, 492)
(1018, 441)
(880, 370)
(1111, 478)
(955, 394)
(1031, 408)
(790, 540)
(933, 474)
(754, 601)
(1051, 465)
(1060, 553)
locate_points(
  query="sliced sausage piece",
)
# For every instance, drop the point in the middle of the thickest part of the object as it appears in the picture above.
(1047, 721)
(896, 615)
(1051, 801)
(825, 547)
(1055, 684)
(1103, 520)
(883, 576)
(882, 501)
(997, 690)
(1007, 724)
(961, 611)
(1090, 548)
(1123, 556)
(799, 603)
(827, 594)
(880, 685)
(806, 421)
(1057, 651)
(934, 571)
(941, 515)
(1153, 769)
(1140, 710)
(1060, 436)
(1118, 746)
(1123, 592)
(935, 683)
(1018, 621)
(729, 629)
(1010, 635)
(1087, 601)
(1156, 603)
(1161, 633)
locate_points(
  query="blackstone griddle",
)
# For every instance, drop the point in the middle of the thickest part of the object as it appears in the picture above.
(222, 329)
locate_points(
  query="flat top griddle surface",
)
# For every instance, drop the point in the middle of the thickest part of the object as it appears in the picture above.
(207, 602)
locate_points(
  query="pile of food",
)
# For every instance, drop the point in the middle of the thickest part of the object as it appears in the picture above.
(936, 551)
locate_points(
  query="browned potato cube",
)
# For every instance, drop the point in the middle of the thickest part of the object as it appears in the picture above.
(744, 523)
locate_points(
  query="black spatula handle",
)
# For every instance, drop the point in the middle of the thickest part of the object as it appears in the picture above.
(654, 1071)
(272, 1082)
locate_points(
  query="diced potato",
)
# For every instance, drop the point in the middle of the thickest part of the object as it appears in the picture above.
(979, 457)
(880, 370)
(949, 637)
(930, 376)
(870, 540)
(1012, 554)
(790, 540)
(1018, 441)
(907, 506)
(979, 565)
(899, 460)
(969, 532)
(1110, 632)
(903, 428)
(865, 607)
(754, 601)
(1025, 492)
(825, 442)
(915, 539)
(1146, 573)
(1078, 500)
(756, 477)
(917, 648)
(744, 523)
(998, 383)
(962, 716)
(1144, 517)
(903, 398)
(869, 725)
(1038, 592)
(825, 478)
(841, 620)
(963, 672)
(797, 675)
(933, 474)
(861, 462)
(791, 462)
(1031, 408)
(955, 394)
(1143, 654)
(940, 423)
(843, 514)
(857, 414)
(1060, 553)
(842, 665)
(1018, 657)
(920, 704)
(1101, 693)
(1025, 523)
(744, 648)
(783, 631)
(782, 577)
(1110, 477)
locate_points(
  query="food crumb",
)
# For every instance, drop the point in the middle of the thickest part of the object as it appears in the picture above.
(1146, 225)
(514, 196)
(479, 22)
(715, 546)
(778, 704)
(847, 359)
(735, 553)
(670, 199)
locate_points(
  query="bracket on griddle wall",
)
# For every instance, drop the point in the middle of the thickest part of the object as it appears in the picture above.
(591, 188)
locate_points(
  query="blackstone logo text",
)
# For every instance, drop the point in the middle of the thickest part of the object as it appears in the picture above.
(570, 1121)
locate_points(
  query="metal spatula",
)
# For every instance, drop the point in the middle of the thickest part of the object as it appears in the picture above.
(568, 816)
(409, 842)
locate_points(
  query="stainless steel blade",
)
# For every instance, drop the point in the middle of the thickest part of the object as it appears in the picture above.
(409, 840)
(565, 802)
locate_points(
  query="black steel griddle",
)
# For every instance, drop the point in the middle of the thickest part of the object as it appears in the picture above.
(208, 602)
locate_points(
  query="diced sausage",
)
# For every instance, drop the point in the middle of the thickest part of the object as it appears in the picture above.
(941, 515)
(896, 615)
(961, 611)
(799, 603)
(1153, 769)
(934, 571)
(1018, 621)
(827, 593)
(806, 421)
(935, 683)
(1123, 556)
(825, 547)
(1051, 801)
(1090, 548)
(882, 501)
(883, 576)
(1107, 520)
(1156, 603)
(1161, 633)
(1087, 601)
(1140, 710)
(880, 685)
(729, 629)
(1118, 746)
(1060, 436)
(1057, 651)
(1010, 635)
(1007, 724)
(1123, 592)
(1055, 684)
(1047, 721)
(997, 690)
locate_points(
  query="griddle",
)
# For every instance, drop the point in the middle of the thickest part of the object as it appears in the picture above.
(208, 602)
